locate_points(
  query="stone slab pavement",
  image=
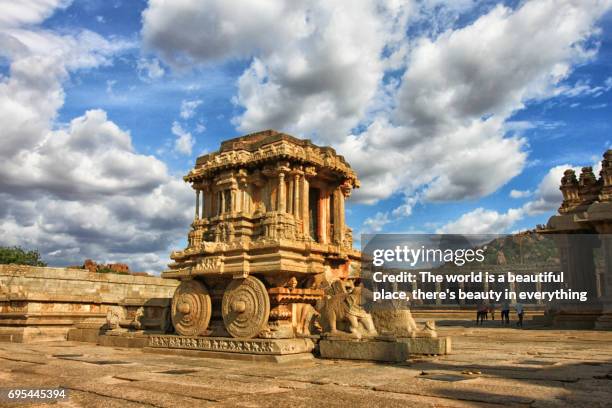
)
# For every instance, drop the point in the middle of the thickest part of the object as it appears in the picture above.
(489, 367)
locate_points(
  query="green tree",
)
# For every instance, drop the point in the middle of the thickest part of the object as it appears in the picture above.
(20, 256)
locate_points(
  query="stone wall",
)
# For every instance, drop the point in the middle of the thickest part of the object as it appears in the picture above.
(41, 303)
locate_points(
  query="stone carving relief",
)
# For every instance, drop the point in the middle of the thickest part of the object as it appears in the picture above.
(114, 316)
(344, 309)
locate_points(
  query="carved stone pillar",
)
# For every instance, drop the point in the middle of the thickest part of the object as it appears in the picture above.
(562, 244)
(512, 288)
(606, 284)
(208, 206)
(338, 216)
(323, 221)
(282, 198)
(576, 252)
(605, 231)
(245, 199)
(296, 195)
(233, 200)
(202, 210)
(222, 203)
(306, 202)
(197, 206)
(438, 290)
(585, 263)
(239, 200)
(290, 194)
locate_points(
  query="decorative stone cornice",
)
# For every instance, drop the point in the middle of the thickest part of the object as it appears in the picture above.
(269, 146)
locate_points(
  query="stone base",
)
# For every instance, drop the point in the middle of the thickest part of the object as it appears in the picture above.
(595, 314)
(376, 350)
(274, 347)
(261, 358)
(84, 335)
(33, 334)
(129, 340)
(604, 322)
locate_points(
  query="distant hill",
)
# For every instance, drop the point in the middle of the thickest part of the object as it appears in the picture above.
(521, 248)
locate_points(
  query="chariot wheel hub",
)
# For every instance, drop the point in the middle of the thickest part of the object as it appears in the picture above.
(191, 308)
(245, 307)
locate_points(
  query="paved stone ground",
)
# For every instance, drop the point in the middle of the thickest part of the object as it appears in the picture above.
(536, 368)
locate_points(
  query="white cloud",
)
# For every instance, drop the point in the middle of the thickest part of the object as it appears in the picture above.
(22, 12)
(519, 193)
(584, 88)
(440, 126)
(481, 221)
(318, 80)
(110, 83)
(149, 69)
(547, 197)
(375, 224)
(193, 31)
(200, 127)
(188, 108)
(78, 190)
(184, 141)
(380, 220)
(88, 194)
(321, 85)
(458, 85)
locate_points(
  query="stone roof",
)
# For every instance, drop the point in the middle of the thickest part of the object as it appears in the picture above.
(270, 145)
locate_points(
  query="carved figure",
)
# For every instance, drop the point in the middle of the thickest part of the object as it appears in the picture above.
(306, 319)
(346, 307)
(136, 322)
(114, 316)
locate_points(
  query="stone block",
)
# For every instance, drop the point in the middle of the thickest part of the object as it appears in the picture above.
(426, 345)
(84, 335)
(129, 340)
(259, 358)
(380, 350)
(232, 345)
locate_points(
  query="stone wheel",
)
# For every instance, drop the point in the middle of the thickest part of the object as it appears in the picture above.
(245, 307)
(191, 308)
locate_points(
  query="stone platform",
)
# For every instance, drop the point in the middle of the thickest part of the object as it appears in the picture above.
(45, 304)
(595, 314)
(230, 345)
(490, 366)
(273, 350)
(397, 350)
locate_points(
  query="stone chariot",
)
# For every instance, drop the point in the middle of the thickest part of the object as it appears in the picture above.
(267, 238)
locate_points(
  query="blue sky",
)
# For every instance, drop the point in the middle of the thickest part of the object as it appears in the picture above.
(459, 116)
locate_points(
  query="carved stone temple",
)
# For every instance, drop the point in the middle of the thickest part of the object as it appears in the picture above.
(583, 235)
(268, 237)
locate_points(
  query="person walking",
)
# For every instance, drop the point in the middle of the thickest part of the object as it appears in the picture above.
(505, 314)
(481, 311)
(492, 311)
(520, 311)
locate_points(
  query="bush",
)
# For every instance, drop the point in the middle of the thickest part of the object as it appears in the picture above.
(20, 256)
